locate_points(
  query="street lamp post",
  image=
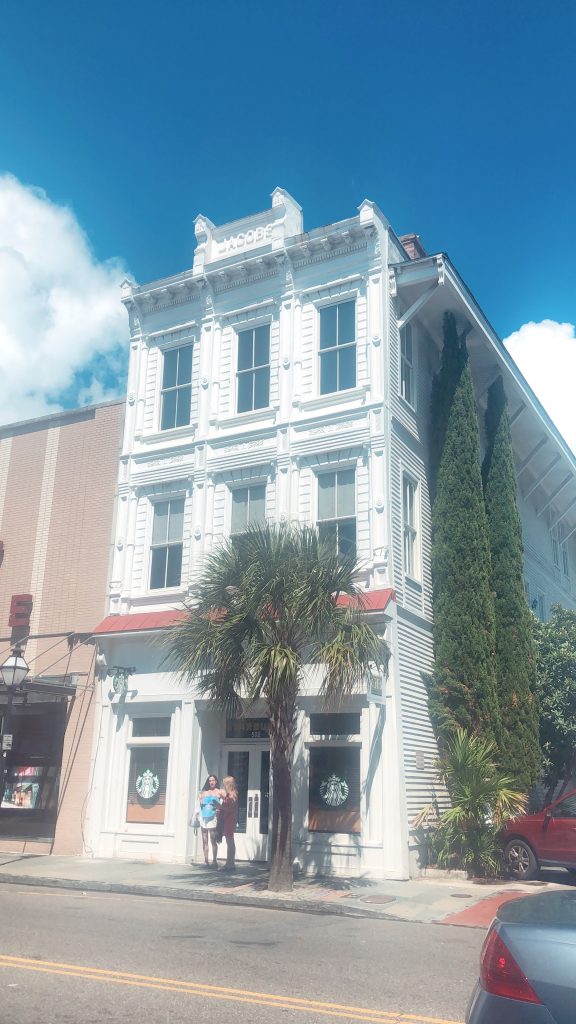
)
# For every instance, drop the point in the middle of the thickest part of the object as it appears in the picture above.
(13, 673)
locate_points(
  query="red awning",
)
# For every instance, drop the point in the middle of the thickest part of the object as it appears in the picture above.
(139, 622)
(371, 600)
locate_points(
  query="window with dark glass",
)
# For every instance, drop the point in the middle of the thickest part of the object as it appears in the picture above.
(254, 369)
(407, 364)
(147, 785)
(248, 507)
(337, 510)
(566, 808)
(334, 723)
(167, 531)
(150, 726)
(409, 523)
(337, 347)
(176, 387)
(334, 789)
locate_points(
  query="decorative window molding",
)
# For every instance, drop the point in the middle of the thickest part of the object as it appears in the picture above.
(410, 524)
(336, 509)
(407, 366)
(253, 369)
(167, 544)
(176, 395)
(248, 507)
(337, 347)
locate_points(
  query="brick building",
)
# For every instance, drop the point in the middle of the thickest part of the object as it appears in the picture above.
(57, 486)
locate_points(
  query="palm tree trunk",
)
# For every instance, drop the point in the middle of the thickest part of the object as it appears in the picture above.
(282, 722)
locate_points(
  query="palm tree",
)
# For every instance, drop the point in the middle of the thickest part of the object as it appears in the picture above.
(271, 602)
(482, 797)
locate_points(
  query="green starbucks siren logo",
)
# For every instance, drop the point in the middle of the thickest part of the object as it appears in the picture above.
(334, 791)
(147, 784)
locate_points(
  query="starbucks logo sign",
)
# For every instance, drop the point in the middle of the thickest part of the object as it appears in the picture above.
(334, 791)
(147, 784)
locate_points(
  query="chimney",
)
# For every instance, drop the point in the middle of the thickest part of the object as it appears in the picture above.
(413, 246)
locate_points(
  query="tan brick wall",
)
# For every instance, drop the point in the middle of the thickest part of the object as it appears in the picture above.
(56, 519)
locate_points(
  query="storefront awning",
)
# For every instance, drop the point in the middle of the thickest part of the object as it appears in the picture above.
(139, 622)
(371, 600)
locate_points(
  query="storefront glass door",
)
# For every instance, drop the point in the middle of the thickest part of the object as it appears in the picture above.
(250, 766)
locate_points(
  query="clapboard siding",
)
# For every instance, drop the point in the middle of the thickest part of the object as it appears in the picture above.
(415, 653)
(544, 579)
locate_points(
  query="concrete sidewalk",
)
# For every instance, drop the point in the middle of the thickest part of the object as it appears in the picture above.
(434, 898)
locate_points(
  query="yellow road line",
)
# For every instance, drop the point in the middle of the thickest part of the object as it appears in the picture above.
(218, 992)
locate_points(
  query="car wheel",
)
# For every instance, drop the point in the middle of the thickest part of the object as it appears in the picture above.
(520, 860)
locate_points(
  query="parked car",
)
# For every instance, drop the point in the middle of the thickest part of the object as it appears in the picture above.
(545, 839)
(528, 963)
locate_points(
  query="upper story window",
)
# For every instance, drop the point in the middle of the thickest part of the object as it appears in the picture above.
(254, 369)
(166, 551)
(176, 387)
(407, 364)
(410, 525)
(555, 546)
(337, 510)
(559, 549)
(248, 507)
(337, 347)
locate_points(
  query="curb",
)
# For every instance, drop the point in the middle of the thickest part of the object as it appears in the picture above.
(201, 896)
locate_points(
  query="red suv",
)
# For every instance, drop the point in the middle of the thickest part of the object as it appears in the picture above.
(546, 839)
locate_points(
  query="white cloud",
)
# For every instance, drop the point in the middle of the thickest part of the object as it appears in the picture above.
(63, 330)
(546, 355)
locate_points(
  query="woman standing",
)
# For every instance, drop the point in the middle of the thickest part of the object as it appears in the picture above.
(210, 800)
(229, 818)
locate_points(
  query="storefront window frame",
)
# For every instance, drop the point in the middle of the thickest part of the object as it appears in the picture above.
(142, 742)
(337, 744)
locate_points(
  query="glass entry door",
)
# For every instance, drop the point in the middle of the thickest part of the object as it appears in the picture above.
(250, 766)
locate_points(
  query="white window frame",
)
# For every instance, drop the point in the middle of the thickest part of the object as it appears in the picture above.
(555, 542)
(238, 329)
(411, 527)
(319, 307)
(407, 366)
(565, 558)
(337, 468)
(159, 500)
(131, 742)
(164, 350)
(242, 485)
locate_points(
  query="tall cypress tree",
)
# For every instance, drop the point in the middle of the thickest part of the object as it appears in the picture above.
(515, 650)
(443, 387)
(463, 684)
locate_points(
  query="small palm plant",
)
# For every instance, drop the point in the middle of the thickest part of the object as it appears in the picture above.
(268, 609)
(482, 797)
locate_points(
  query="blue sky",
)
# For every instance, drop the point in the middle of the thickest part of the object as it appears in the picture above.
(457, 119)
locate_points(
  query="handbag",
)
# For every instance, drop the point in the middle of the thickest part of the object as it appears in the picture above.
(196, 819)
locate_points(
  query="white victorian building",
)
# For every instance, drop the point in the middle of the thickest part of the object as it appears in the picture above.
(286, 377)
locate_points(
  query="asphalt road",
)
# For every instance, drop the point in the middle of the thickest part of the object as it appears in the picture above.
(66, 958)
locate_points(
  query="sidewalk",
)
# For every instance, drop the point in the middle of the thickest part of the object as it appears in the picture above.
(429, 899)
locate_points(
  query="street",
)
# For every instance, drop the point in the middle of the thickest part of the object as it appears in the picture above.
(68, 958)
